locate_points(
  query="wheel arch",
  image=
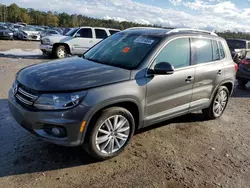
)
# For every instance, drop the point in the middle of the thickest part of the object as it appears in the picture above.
(227, 83)
(55, 45)
(130, 104)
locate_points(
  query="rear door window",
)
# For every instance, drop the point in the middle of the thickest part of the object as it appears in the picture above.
(100, 33)
(113, 32)
(203, 50)
(85, 33)
(216, 51)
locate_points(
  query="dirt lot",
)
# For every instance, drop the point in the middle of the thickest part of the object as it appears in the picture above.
(184, 152)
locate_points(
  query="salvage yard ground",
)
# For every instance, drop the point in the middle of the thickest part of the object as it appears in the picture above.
(184, 152)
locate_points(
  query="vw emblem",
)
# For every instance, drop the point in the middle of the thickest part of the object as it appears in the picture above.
(15, 89)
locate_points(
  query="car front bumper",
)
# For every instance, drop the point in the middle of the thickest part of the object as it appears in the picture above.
(37, 121)
(32, 37)
(46, 48)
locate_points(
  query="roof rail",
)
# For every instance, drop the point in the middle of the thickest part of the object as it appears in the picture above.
(131, 28)
(190, 29)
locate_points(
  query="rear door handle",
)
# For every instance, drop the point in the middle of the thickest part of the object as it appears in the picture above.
(189, 78)
(219, 72)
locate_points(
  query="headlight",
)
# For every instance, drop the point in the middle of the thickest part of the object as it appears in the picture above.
(46, 41)
(10, 34)
(59, 101)
(14, 87)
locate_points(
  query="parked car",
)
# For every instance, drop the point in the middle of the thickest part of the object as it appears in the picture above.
(5, 33)
(28, 33)
(242, 58)
(75, 42)
(131, 80)
(235, 45)
(50, 32)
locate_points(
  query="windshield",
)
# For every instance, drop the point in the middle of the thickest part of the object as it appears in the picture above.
(72, 32)
(122, 50)
(3, 28)
(28, 29)
(236, 44)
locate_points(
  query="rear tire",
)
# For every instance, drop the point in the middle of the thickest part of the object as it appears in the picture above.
(60, 52)
(218, 105)
(110, 133)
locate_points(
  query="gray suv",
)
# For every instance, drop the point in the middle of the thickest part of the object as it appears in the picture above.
(130, 80)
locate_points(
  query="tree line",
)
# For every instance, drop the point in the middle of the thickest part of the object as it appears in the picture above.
(13, 13)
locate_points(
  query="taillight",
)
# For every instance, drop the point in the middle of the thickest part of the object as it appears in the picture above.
(236, 67)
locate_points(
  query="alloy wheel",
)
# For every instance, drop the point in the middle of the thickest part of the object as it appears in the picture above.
(112, 134)
(220, 103)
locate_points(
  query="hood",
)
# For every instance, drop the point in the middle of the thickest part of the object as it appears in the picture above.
(70, 74)
(58, 38)
(5, 31)
(31, 32)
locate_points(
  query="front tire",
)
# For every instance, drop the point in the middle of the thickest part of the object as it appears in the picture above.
(60, 52)
(218, 105)
(110, 133)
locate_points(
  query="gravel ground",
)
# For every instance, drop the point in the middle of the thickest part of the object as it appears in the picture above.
(184, 152)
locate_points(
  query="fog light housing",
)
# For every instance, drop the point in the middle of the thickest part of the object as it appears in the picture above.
(55, 131)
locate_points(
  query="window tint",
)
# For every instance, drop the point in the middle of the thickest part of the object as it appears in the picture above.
(222, 52)
(203, 51)
(100, 33)
(236, 44)
(113, 32)
(85, 33)
(52, 32)
(216, 51)
(177, 53)
(122, 50)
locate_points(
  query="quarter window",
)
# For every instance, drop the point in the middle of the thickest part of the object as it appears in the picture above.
(100, 33)
(222, 52)
(203, 51)
(85, 33)
(177, 53)
(216, 51)
(113, 31)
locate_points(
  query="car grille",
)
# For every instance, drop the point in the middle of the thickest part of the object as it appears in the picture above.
(25, 96)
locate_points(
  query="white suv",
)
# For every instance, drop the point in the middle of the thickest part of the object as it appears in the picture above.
(75, 42)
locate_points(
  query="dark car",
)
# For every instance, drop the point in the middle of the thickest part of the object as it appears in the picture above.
(128, 81)
(237, 44)
(242, 58)
(6, 33)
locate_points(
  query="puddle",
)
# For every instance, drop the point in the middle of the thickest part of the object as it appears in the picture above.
(20, 53)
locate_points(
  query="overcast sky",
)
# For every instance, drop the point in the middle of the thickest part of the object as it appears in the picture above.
(203, 14)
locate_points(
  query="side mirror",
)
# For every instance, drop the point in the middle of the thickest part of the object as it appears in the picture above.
(163, 68)
(77, 35)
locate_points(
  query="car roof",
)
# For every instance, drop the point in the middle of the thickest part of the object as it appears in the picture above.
(99, 28)
(243, 40)
(162, 33)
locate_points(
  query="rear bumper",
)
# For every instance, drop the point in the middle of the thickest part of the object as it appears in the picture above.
(243, 74)
(37, 121)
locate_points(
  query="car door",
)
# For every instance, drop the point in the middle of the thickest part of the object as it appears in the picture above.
(170, 95)
(82, 41)
(209, 70)
(100, 34)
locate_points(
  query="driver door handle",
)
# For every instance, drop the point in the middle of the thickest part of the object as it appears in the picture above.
(189, 79)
